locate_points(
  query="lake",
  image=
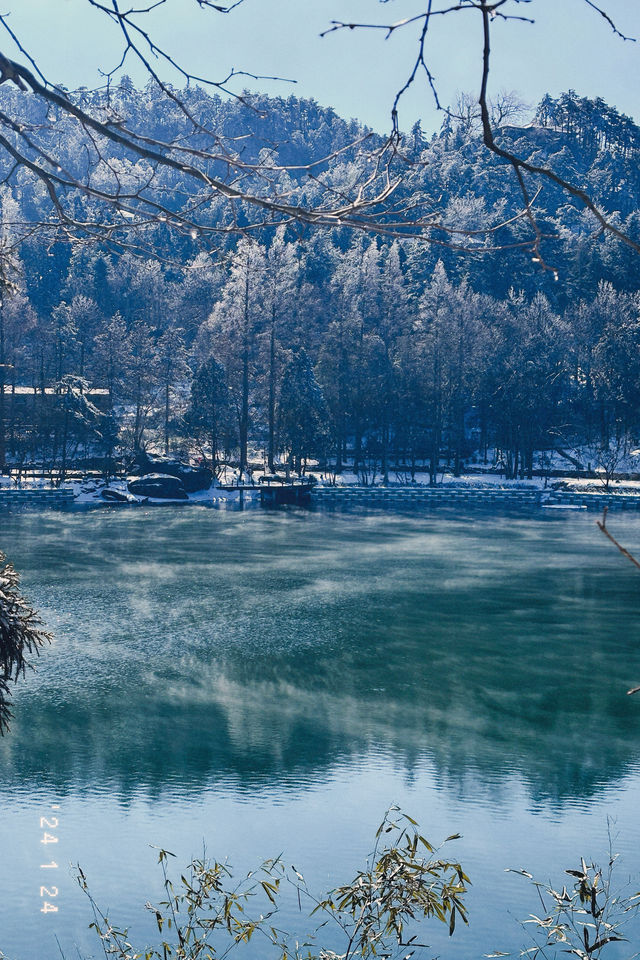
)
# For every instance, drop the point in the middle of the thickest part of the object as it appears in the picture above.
(263, 682)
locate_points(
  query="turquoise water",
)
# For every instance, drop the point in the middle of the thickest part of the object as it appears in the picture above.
(261, 682)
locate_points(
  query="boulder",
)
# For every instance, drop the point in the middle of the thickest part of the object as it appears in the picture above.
(192, 478)
(118, 496)
(162, 486)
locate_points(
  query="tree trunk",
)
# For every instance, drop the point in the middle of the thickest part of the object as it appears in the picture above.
(12, 413)
(357, 447)
(384, 465)
(339, 447)
(244, 404)
(272, 392)
(214, 448)
(65, 430)
(2, 404)
(213, 425)
(60, 355)
(137, 430)
(458, 410)
(530, 463)
(435, 456)
(166, 418)
(436, 437)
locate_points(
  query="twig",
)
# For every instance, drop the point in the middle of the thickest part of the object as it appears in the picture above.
(602, 524)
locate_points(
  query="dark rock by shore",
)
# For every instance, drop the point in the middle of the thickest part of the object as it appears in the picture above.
(159, 485)
(192, 478)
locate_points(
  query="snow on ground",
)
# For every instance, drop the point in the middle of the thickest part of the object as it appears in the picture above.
(33, 483)
(585, 485)
(89, 491)
(592, 457)
(480, 481)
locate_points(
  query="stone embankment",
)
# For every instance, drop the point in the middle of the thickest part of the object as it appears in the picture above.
(480, 496)
(18, 496)
(401, 496)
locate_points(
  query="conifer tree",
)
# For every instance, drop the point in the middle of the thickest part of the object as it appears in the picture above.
(302, 411)
(208, 411)
(20, 636)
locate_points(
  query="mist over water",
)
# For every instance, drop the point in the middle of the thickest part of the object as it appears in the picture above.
(270, 681)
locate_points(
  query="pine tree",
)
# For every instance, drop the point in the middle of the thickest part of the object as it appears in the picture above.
(232, 329)
(172, 366)
(282, 271)
(209, 406)
(20, 636)
(302, 411)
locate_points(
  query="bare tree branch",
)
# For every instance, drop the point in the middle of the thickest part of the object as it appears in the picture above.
(602, 525)
(603, 13)
(490, 10)
(200, 155)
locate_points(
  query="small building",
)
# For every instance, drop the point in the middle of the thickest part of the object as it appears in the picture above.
(26, 407)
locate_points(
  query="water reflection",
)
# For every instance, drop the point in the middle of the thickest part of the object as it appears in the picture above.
(267, 681)
(261, 649)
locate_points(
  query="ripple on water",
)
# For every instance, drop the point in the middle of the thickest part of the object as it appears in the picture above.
(271, 681)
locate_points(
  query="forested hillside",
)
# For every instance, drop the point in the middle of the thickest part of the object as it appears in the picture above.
(329, 344)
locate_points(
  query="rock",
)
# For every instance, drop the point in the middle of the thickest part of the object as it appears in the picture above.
(193, 478)
(119, 496)
(161, 486)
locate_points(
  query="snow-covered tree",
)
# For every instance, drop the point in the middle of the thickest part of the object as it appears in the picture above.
(281, 289)
(231, 332)
(208, 414)
(21, 636)
(302, 412)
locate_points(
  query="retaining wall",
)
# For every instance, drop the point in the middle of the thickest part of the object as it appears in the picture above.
(344, 496)
(471, 495)
(15, 496)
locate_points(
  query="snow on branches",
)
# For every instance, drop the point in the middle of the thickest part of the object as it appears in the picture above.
(20, 636)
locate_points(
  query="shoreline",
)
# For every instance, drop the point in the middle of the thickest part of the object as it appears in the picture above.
(447, 494)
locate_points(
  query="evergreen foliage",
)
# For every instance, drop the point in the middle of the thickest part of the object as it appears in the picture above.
(20, 636)
(302, 411)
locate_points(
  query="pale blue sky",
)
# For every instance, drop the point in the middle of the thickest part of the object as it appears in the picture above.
(569, 46)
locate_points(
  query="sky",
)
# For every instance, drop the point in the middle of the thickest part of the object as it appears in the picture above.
(569, 46)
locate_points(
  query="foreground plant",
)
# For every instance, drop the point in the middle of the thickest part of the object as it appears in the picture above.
(377, 914)
(20, 635)
(583, 920)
